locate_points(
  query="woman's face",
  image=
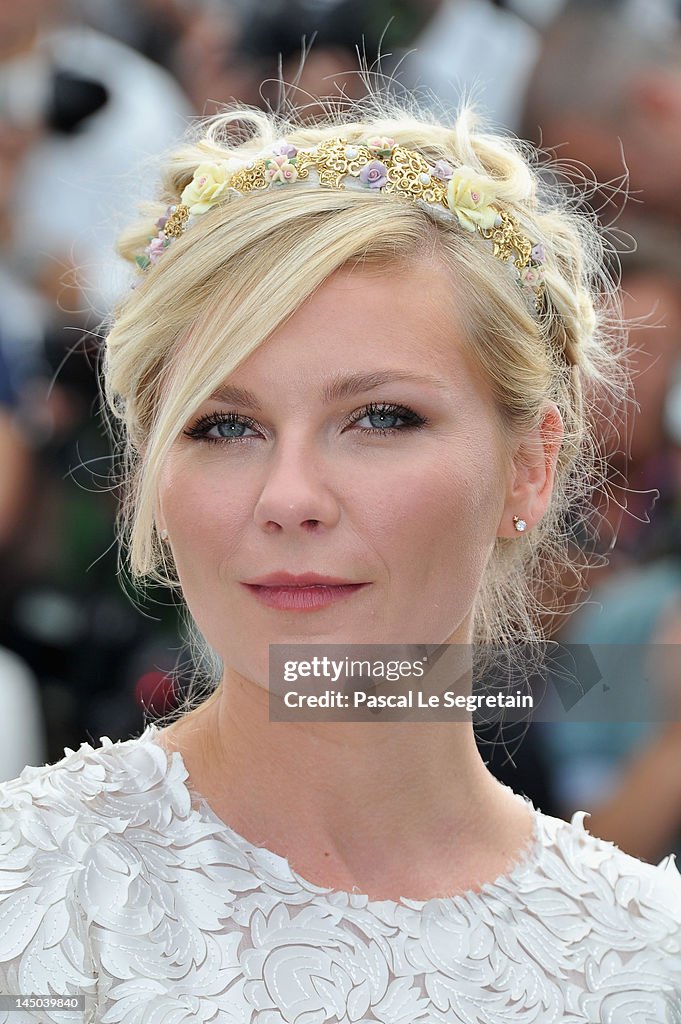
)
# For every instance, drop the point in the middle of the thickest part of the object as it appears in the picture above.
(406, 497)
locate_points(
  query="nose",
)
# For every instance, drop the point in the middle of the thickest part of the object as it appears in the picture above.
(296, 493)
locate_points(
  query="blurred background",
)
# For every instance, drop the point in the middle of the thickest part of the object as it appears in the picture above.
(88, 91)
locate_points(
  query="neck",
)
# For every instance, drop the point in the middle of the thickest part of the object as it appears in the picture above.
(414, 790)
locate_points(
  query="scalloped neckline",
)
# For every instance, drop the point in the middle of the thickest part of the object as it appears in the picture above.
(263, 859)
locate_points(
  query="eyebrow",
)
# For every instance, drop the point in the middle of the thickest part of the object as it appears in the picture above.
(338, 388)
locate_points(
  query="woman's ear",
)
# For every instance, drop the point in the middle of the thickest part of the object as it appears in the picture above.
(534, 470)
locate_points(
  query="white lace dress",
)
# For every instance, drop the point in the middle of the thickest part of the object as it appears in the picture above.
(119, 882)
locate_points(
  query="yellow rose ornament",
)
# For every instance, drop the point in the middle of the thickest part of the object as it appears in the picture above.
(469, 197)
(208, 185)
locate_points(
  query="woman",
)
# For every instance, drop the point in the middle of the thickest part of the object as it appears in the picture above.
(356, 355)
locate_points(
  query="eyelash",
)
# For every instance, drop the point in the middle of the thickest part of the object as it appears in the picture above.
(414, 421)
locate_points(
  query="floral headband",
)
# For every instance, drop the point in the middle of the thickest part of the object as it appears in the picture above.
(380, 165)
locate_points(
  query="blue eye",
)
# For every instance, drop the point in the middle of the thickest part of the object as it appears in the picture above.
(389, 412)
(230, 421)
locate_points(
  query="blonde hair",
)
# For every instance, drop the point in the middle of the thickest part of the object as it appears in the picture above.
(161, 361)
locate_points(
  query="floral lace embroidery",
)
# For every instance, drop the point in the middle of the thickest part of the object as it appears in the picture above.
(116, 880)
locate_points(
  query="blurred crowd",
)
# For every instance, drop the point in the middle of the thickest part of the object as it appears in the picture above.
(89, 91)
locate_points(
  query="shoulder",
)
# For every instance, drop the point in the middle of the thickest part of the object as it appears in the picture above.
(70, 805)
(82, 784)
(635, 882)
(628, 906)
(58, 829)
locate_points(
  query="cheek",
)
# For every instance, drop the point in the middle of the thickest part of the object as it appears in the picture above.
(441, 515)
(434, 531)
(205, 521)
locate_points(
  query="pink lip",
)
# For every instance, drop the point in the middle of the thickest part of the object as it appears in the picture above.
(297, 598)
(307, 579)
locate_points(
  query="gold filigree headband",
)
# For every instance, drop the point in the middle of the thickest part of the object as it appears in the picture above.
(379, 164)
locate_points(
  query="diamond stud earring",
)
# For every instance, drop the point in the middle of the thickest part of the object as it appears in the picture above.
(164, 535)
(519, 524)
